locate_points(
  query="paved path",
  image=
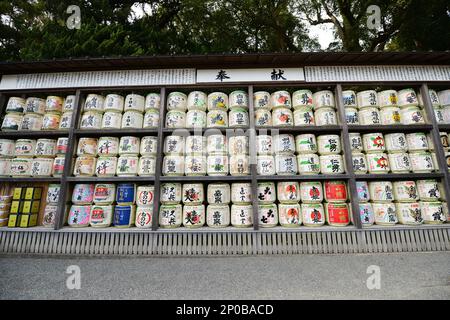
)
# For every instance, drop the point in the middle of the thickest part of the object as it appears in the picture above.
(403, 276)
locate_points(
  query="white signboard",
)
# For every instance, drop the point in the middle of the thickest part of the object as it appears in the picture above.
(98, 79)
(250, 75)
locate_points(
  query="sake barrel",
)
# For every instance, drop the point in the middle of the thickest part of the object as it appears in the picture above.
(177, 101)
(267, 215)
(45, 148)
(329, 144)
(284, 144)
(79, 216)
(359, 163)
(263, 118)
(124, 216)
(62, 145)
(240, 165)
(355, 140)
(369, 116)
(94, 102)
(217, 165)
(308, 163)
(387, 98)
(335, 191)
(399, 162)
(125, 193)
(7, 147)
(69, 103)
(241, 215)
(306, 143)
(265, 165)
(12, 122)
(302, 98)
(134, 102)
(381, 191)
(127, 166)
(217, 216)
(175, 119)
(91, 120)
(219, 193)
(325, 117)
(106, 166)
(193, 193)
(337, 214)
(421, 161)
(108, 146)
(173, 166)
(174, 145)
(289, 215)
(152, 101)
(288, 192)
(41, 167)
(264, 145)
(114, 103)
(331, 164)
(238, 145)
(170, 216)
(51, 121)
(104, 193)
(147, 166)
(129, 145)
(280, 99)
(170, 193)
(367, 99)
(407, 98)
(112, 120)
(217, 144)
(87, 147)
(194, 216)
(405, 191)
(411, 115)
(378, 162)
(50, 212)
(261, 100)
(282, 117)
(218, 101)
(83, 193)
(238, 99)
(66, 121)
(362, 189)
(417, 141)
(32, 122)
(238, 118)
(385, 213)
(195, 145)
(15, 105)
(196, 119)
(53, 192)
(313, 214)
(101, 216)
(286, 164)
(84, 166)
(409, 213)
(266, 192)
(444, 97)
(396, 142)
(304, 116)
(24, 147)
(151, 119)
(432, 212)
(217, 119)
(351, 116)
(439, 114)
(145, 195)
(195, 165)
(144, 217)
(323, 99)
(197, 100)
(311, 192)
(428, 190)
(390, 115)
(58, 166)
(241, 193)
(132, 120)
(366, 214)
(349, 99)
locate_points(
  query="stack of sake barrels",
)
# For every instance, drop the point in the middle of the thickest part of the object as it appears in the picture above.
(217, 103)
(5, 204)
(51, 207)
(116, 112)
(30, 157)
(440, 102)
(34, 114)
(107, 164)
(267, 209)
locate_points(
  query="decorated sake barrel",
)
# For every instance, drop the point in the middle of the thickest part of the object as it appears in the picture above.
(302, 98)
(238, 118)
(378, 162)
(432, 212)
(326, 117)
(41, 167)
(69, 103)
(240, 165)
(124, 216)
(170, 216)
(50, 212)
(174, 145)
(148, 146)
(173, 166)
(284, 144)
(411, 115)
(53, 192)
(264, 144)
(218, 216)
(66, 121)
(106, 166)
(193, 193)
(91, 120)
(263, 118)
(381, 191)
(313, 214)
(84, 166)
(428, 190)
(87, 146)
(5, 167)
(282, 117)
(127, 166)
(129, 145)
(134, 102)
(265, 165)
(114, 103)
(170, 193)
(152, 101)
(335, 191)
(337, 214)
(218, 101)
(266, 192)
(288, 192)
(194, 216)
(286, 164)
(308, 163)
(51, 121)
(366, 214)
(407, 98)
(7, 147)
(387, 98)
(446, 114)
(195, 145)
(362, 189)
(45, 148)
(331, 164)
(359, 163)
(101, 216)
(217, 119)
(144, 217)
(351, 116)
(241, 215)
(405, 191)
(219, 193)
(355, 140)
(369, 116)
(399, 162)
(390, 115)
(323, 99)
(304, 116)
(108, 146)
(58, 166)
(267, 215)
(94, 102)
(151, 119)
(329, 144)
(396, 142)
(385, 213)
(238, 145)
(62, 145)
(197, 100)
(280, 99)
(444, 97)
(311, 192)
(195, 165)
(349, 99)
(367, 98)
(16, 105)
(12, 122)
(24, 147)
(176, 119)
(241, 193)
(417, 141)
(217, 144)
(421, 161)
(132, 120)
(261, 100)
(196, 119)
(238, 99)
(439, 115)
(34, 105)
(104, 193)
(444, 140)
(32, 122)
(409, 213)
(112, 120)
(79, 216)
(125, 193)
(289, 214)
(83, 194)
(217, 165)
(306, 143)
(373, 142)
(145, 195)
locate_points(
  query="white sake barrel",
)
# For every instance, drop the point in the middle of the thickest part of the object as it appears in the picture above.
(5, 167)
(84, 166)
(66, 120)
(311, 192)
(218, 216)
(362, 189)
(396, 142)
(197, 100)
(147, 166)
(349, 99)
(127, 166)
(417, 141)
(51, 121)
(337, 214)
(329, 144)
(282, 117)
(50, 212)
(145, 196)
(283, 144)
(177, 101)
(331, 164)
(446, 114)
(239, 165)
(170, 193)
(173, 166)
(366, 214)
(288, 192)
(280, 99)
(326, 117)
(193, 193)
(409, 213)
(217, 119)
(83, 193)
(134, 102)
(176, 119)
(432, 212)
(144, 217)
(238, 118)
(313, 214)
(152, 101)
(351, 116)
(87, 147)
(101, 216)
(267, 215)
(69, 103)
(132, 120)
(174, 145)
(104, 193)
(53, 193)
(369, 116)
(407, 98)
(238, 99)
(261, 100)
(373, 142)
(45, 148)
(367, 99)
(79, 216)
(241, 193)
(241, 216)
(238, 145)
(390, 115)
(129, 145)
(306, 143)
(286, 164)
(355, 140)
(41, 167)
(385, 213)
(434, 98)
(12, 122)
(444, 98)
(218, 101)
(112, 120)
(359, 163)
(411, 115)
(195, 145)
(108, 146)
(24, 148)
(387, 98)
(170, 216)
(381, 191)
(151, 119)
(399, 162)
(266, 192)
(217, 165)
(32, 122)
(323, 99)
(439, 115)
(405, 191)
(265, 165)
(7, 147)
(421, 161)
(91, 120)
(289, 214)
(94, 102)
(217, 144)
(378, 162)
(428, 190)
(219, 193)
(16, 105)
(304, 116)
(148, 146)
(263, 117)
(196, 119)
(308, 163)
(302, 98)
(114, 102)
(264, 144)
